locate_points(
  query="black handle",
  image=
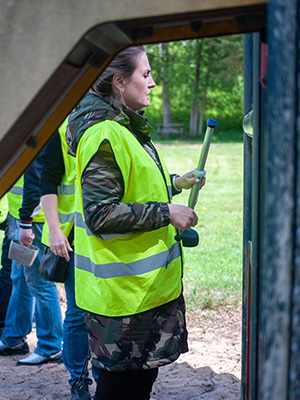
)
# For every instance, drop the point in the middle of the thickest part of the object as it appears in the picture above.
(189, 238)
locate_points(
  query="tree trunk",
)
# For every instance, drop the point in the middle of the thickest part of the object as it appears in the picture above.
(194, 118)
(195, 98)
(167, 113)
(203, 103)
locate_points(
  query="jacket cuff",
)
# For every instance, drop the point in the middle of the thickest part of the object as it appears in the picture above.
(165, 214)
(25, 224)
(175, 189)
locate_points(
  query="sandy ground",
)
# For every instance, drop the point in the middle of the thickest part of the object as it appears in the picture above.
(209, 371)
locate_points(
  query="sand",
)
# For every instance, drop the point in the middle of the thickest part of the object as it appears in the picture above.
(211, 370)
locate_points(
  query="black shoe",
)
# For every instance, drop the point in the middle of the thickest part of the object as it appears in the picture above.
(18, 350)
(80, 391)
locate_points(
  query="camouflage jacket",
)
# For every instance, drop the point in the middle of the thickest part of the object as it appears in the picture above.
(147, 340)
(155, 337)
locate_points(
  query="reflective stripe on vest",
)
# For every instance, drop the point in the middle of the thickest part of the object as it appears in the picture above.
(18, 191)
(14, 197)
(65, 191)
(133, 272)
(65, 218)
(113, 270)
(79, 222)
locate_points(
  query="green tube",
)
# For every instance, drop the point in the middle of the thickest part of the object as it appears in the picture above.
(211, 124)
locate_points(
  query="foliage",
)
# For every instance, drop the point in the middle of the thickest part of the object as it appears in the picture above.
(223, 58)
(213, 269)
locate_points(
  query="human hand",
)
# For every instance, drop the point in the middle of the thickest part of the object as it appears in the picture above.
(182, 217)
(26, 237)
(188, 180)
(59, 244)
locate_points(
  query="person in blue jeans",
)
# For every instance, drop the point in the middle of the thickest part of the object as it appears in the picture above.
(57, 196)
(31, 294)
(5, 271)
(75, 348)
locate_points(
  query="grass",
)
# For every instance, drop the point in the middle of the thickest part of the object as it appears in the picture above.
(213, 269)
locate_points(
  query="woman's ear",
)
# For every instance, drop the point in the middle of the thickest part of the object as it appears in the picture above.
(118, 82)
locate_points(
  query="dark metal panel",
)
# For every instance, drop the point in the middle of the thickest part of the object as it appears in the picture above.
(255, 224)
(247, 213)
(294, 368)
(278, 204)
(262, 159)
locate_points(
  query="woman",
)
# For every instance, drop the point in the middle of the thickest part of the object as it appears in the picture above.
(128, 264)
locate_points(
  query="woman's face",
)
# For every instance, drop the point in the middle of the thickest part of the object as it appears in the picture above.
(137, 88)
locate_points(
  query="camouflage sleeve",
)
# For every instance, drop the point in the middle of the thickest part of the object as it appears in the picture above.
(102, 190)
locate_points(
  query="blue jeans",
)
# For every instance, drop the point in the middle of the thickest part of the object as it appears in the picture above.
(5, 271)
(76, 346)
(30, 295)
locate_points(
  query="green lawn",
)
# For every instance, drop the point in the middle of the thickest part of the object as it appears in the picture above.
(213, 269)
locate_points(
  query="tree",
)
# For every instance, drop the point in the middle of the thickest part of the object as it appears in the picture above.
(167, 113)
(206, 82)
(195, 91)
(197, 79)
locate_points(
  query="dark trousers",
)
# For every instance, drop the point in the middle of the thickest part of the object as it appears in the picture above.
(5, 271)
(125, 385)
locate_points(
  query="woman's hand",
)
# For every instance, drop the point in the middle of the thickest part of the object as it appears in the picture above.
(59, 244)
(188, 180)
(26, 237)
(182, 217)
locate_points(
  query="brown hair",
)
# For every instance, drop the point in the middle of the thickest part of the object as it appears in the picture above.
(124, 63)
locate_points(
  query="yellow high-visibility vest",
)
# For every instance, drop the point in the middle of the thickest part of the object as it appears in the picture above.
(15, 198)
(65, 191)
(119, 275)
(3, 208)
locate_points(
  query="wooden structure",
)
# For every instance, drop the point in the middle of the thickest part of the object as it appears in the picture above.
(168, 130)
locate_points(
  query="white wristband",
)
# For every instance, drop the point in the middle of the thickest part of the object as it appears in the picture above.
(174, 184)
